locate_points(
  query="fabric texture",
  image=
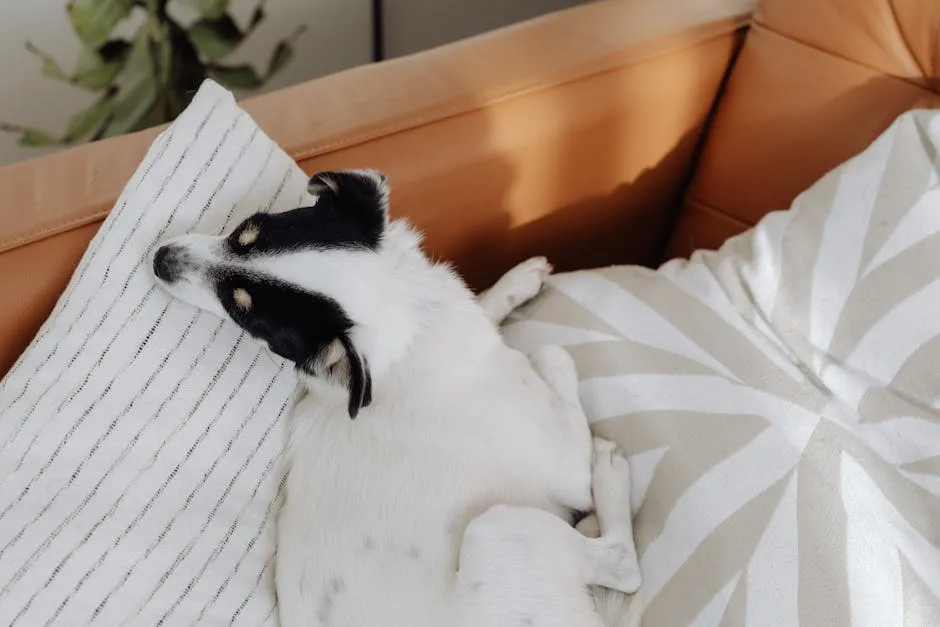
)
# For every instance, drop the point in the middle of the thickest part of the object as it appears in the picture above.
(140, 440)
(780, 402)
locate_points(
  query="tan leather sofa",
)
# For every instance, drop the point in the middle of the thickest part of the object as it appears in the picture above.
(622, 131)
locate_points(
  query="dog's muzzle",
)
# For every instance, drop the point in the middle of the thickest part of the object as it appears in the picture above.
(169, 262)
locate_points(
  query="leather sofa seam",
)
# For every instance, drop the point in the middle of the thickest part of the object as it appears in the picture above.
(709, 208)
(442, 115)
(757, 25)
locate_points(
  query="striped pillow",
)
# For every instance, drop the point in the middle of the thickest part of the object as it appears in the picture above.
(140, 440)
(780, 400)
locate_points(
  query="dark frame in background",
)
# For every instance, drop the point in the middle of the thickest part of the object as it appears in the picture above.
(378, 31)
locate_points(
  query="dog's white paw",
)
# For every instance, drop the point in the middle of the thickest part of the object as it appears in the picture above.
(611, 483)
(611, 486)
(525, 281)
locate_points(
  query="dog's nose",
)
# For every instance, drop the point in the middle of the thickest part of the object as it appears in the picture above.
(165, 264)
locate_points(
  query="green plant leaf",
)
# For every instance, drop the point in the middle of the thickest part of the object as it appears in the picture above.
(34, 138)
(215, 38)
(210, 9)
(132, 105)
(50, 67)
(236, 77)
(257, 16)
(94, 20)
(97, 69)
(29, 136)
(138, 84)
(284, 52)
(89, 120)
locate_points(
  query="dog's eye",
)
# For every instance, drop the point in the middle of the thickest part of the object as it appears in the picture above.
(242, 298)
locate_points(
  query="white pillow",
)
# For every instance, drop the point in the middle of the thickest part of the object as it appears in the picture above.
(140, 440)
(779, 400)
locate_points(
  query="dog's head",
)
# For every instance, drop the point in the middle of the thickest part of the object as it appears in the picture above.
(298, 280)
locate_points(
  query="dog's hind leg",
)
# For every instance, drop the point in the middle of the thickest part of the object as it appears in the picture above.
(611, 485)
(613, 521)
(568, 429)
(525, 566)
(521, 284)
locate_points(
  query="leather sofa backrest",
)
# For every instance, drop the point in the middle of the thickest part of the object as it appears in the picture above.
(815, 83)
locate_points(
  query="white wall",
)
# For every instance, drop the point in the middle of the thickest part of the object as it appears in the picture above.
(338, 36)
(414, 25)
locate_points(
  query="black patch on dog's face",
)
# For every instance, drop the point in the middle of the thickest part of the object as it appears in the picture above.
(297, 325)
(351, 212)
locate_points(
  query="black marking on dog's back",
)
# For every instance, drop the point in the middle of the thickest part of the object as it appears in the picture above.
(350, 212)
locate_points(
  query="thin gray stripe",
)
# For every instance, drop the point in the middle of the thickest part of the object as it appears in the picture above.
(189, 497)
(137, 354)
(94, 449)
(140, 515)
(237, 205)
(280, 188)
(176, 388)
(250, 416)
(118, 214)
(100, 359)
(182, 556)
(88, 375)
(270, 614)
(117, 299)
(75, 425)
(137, 267)
(91, 494)
(273, 505)
(129, 447)
(93, 293)
(229, 533)
(78, 276)
(251, 594)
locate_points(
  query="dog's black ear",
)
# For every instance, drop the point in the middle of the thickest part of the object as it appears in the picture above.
(341, 363)
(285, 341)
(359, 196)
(323, 183)
(360, 380)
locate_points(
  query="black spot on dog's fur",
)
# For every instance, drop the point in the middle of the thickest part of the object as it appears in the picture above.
(325, 609)
(351, 212)
(414, 552)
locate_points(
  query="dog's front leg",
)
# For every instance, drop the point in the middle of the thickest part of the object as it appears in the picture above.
(521, 284)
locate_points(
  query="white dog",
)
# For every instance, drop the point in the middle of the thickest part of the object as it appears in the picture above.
(448, 501)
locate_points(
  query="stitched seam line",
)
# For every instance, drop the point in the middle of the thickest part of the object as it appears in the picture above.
(801, 42)
(445, 114)
(704, 206)
(907, 47)
(50, 231)
(933, 38)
